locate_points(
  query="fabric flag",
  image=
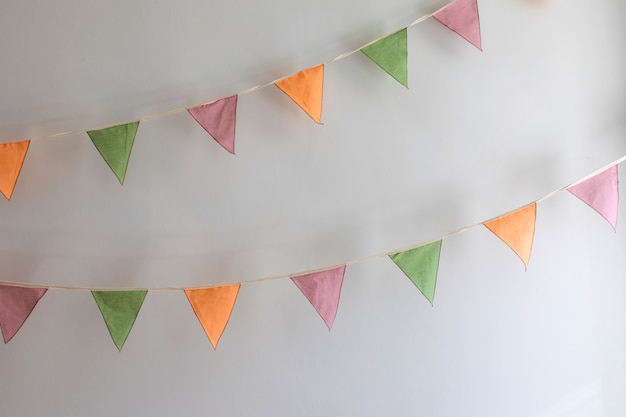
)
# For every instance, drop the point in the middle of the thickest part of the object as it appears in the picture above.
(390, 53)
(421, 266)
(323, 290)
(213, 307)
(306, 89)
(462, 17)
(16, 304)
(114, 144)
(601, 193)
(517, 230)
(11, 160)
(119, 310)
(218, 119)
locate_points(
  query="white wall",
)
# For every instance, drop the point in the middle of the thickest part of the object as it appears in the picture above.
(476, 135)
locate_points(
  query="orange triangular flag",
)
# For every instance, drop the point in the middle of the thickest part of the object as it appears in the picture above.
(306, 89)
(213, 307)
(517, 230)
(11, 160)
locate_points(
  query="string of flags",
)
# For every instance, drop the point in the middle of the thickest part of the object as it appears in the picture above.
(218, 117)
(213, 305)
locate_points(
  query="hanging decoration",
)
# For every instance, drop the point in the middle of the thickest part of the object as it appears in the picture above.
(421, 265)
(213, 307)
(517, 230)
(461, 16)
(16, 304)
(12, 157)
(390, 53)
(114, 144)
(119, 310)
(601, 193)
(306, 90)
(218, 119)
(323, 290)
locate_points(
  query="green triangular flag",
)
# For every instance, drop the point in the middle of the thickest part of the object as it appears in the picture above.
(114, 144)
(390, 53)
(421, 265)
(119, 310)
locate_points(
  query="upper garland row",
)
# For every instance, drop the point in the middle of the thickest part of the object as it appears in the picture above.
(218, 116)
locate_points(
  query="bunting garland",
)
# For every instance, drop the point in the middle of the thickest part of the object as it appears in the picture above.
(305, 88)
(213, 306)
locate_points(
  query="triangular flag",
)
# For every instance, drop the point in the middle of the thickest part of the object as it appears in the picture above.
(601, 193)
(16, 304)
(218, 119)
(390, 53)
(213, 307)
(323, 290)
(119, 310)
(114, 144)
(11, 160)
(421, 266)
(306, 89)
(517, 230)
(462, 17)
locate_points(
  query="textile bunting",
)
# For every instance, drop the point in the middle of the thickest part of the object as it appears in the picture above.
(601, 193)
(119, 310)
(421, 266)
(11, 160)
(306, 89)
(462, 17)
(213, 307)
(16, 304)
(323, 290)
(517, 230)
(218, 119)
(114, 144)
(390, 53)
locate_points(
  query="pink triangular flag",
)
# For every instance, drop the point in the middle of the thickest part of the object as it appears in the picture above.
(601, 193)
(218, 119)
(16, 304)
(462, 17)
(323, 290)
